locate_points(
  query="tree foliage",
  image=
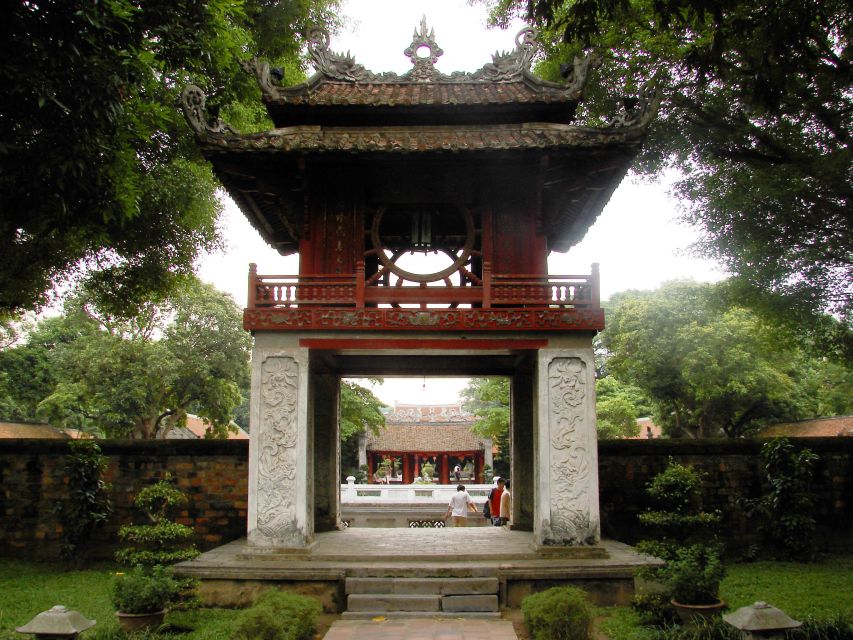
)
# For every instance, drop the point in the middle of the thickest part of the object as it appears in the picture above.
(710, 368)
(617, 407)
(757, 116)
(361, 411)
(98, 171)
(139, 377)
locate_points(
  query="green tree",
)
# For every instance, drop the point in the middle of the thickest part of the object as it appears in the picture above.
(757, 116)
(489, 400)
(709, 369)
(361, 411)
(617, 407)
(28, 368)
(98, 171)
(139, 377)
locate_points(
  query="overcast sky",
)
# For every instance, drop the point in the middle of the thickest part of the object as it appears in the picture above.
(636, 240)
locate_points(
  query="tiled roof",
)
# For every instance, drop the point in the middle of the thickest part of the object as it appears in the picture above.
(429, 414)
(423, 94)
(317, 139)
(817, 428)
(29, 430)
(197, 427)
(425, 437)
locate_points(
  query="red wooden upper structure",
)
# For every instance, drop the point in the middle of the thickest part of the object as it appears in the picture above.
(486, 171)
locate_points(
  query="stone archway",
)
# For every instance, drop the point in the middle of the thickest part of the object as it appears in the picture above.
(294, 448)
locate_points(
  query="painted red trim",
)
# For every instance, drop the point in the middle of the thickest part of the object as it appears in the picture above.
(340, 344)
(433, 320)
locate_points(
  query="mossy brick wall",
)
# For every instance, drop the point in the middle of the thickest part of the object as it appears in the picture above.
(731, 470)
(214, 474)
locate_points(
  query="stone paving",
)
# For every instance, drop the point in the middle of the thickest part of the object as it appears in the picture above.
(421, 629)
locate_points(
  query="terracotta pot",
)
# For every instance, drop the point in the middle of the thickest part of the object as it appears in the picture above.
(139, 621)
(690, 613)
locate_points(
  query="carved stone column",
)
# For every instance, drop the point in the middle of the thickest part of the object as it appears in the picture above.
(566, 449)
(280, 511)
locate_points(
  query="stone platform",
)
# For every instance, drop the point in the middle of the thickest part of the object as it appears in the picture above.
(233, 574)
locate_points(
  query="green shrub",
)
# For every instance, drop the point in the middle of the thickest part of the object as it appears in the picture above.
(279, 615)
(560, 613)
(715, 629)
(144, 591)
(838, 628)
(695, 574)
(654, 609)
(87, 503)
(786, 512)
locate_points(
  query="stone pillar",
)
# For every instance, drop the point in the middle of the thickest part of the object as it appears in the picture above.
(522, 473)
(323, 420)
(566, 449)
(280, 513)
(487, 453)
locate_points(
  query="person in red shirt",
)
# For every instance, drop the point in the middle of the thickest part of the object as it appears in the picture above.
(495, 502)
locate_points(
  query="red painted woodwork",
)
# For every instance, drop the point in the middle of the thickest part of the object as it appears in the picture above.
(334, 344)
(468, 320)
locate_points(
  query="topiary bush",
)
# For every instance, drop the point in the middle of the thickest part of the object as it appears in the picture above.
(560, 613)
(141, 591)
(162, 541)
(279, 615)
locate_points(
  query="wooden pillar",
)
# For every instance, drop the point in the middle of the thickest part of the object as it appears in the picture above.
(478, 467)
(407, 468)
(444, 472)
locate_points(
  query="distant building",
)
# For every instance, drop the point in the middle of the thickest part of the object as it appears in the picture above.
(196, 428)
(838, 426)
(436, 436)
(648, 430)
(10, 430)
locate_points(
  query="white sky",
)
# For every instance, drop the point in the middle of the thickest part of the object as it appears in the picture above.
(636, 240)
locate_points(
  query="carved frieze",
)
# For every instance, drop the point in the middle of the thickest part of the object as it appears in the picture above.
(277, 452)
(570, 479)
(296, 319)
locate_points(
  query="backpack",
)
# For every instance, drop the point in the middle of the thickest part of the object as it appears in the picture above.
(487, 507)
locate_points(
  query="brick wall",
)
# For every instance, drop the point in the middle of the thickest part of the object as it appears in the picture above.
(213, 474)
(731, 469)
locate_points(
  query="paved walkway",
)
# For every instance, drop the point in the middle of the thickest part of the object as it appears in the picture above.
(421, 629)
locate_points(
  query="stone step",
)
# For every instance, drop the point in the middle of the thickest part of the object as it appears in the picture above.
(442, 586)
(439, 615)
(382, 603)
(469, 603)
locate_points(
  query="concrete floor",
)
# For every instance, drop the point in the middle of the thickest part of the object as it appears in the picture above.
(419, 629)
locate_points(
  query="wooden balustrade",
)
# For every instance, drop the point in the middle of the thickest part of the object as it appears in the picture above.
(504, 291)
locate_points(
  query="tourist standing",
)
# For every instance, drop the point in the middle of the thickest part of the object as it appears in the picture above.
(495, 502)
(505, 514)
(460, 504)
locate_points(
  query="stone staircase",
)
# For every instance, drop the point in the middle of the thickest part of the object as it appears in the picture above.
(396, 597)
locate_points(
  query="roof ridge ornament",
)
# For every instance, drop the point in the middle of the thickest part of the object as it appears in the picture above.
(424, 70)
(505, 66)
(192, 103)
(640, 110)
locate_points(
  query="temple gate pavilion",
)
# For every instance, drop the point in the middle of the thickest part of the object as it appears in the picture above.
(487, 173)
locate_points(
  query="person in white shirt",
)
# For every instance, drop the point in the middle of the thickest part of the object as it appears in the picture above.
(460, 504)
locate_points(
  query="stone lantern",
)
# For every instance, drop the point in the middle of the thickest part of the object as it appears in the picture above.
(761, 621)
(57, 624)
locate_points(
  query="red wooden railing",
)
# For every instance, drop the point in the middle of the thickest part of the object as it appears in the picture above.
(548, 291)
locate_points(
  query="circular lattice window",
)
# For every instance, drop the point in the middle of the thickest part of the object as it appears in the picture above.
(439, 229)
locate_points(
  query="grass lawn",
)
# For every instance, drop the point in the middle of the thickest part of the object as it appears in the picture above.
(819, 590)
(27, 588)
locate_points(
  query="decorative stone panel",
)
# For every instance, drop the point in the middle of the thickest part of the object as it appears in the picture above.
(279, 465)
(567, 459)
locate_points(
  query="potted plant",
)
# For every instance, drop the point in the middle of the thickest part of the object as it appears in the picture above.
(694, 578)
(141, 597)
